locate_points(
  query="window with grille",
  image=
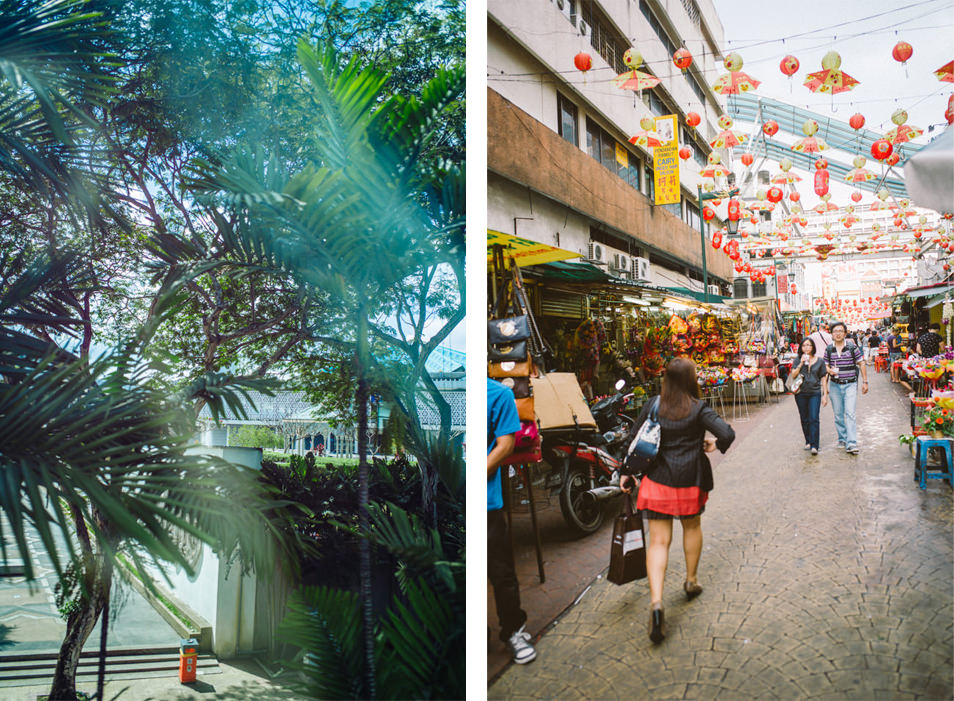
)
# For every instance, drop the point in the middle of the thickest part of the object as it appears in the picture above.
(692, 11)
(604, 39)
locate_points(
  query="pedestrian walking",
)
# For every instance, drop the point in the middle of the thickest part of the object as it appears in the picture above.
(874, 340)
(679, 481)
(811, 368)
(845, 361)
(894, 355)
(821, 337)
(502, 425)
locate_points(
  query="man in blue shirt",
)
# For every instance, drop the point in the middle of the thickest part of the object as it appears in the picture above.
(845, 360)
(502, 424)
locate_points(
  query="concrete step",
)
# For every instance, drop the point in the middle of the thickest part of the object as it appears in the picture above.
(121, 663)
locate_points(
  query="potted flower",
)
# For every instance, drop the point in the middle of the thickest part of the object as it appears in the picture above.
(939, 422)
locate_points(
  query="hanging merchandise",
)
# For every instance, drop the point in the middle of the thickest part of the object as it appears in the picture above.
(735, 81)
(831, 79)
(588, 341)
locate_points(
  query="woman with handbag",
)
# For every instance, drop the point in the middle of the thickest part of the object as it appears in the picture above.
(678, 483)
(806, 379)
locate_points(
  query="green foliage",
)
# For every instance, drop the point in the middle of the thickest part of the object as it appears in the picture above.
(255, 437)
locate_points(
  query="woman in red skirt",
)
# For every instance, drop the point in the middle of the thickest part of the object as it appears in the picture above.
(679, 481)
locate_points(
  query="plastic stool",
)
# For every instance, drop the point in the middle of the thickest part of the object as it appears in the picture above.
(921, 468)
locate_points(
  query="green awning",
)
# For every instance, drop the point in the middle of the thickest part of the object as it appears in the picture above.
(697, 295)
(576, 272)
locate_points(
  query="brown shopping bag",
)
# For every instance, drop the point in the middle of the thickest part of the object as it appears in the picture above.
(628, 550)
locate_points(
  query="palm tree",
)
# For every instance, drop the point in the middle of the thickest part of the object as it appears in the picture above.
(92, 450)
(358, 219)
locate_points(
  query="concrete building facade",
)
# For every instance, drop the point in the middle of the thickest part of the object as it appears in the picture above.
(561, 170)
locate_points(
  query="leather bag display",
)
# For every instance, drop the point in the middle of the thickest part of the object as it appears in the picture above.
(526, 446)
(525, 409)
(520, 386)
(508, 330)
(516, 350)
(509, 368)
(628, 548)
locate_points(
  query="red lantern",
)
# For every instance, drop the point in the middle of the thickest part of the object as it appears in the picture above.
(735, 211)
(893, 159)
(717, 239)
(682, 58)
(774, 194)
(856, 121)
(794, 196)
(770, 127)
(685, 153)
(821, 164)
(753, 219)
(821, 182)
(881, 149)
(902, 51)
(747, 159)
(693, 119)
(583, 61)
(792, 289)
(949, 112)
(789, 65)
(856, 196)
(708, 213)
(898, 221)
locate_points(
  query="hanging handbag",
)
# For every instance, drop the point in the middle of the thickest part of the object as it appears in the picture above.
(645, 446)
(516, 350)
(525, 409)
(520, 386)
(628, 548)
(508, 330)
(509, 368)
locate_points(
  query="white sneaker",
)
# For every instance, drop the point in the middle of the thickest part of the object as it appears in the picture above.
(814, 451)
(521, 647)
(807, 446)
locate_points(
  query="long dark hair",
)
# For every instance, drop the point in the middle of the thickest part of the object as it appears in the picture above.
(679, 388)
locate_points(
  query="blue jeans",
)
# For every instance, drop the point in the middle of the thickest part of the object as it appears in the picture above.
(844, 399)
(808, 407)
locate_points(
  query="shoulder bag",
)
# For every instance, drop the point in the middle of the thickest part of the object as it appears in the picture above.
(645, 446)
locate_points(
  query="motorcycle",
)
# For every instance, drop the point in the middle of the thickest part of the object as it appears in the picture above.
(590, 460)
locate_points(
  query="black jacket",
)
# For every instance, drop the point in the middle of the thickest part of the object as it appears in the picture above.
(681, 461)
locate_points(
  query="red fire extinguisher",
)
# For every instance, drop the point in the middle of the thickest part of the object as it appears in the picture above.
(188, 657)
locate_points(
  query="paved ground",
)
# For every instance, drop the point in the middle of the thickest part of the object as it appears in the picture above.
(239, 680)
(826, 577)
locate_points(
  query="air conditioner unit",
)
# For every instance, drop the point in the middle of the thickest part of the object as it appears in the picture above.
(640, 269)
(584, 29)
(595, 252)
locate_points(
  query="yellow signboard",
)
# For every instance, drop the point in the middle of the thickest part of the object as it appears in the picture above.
(622, 155)
(666, 161)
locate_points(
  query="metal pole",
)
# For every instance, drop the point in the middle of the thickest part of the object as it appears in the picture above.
(702, 236)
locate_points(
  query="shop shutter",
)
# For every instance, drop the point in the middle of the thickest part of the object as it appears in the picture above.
(562, 305)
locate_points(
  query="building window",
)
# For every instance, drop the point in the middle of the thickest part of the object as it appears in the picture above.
(740, 288)
(758, 289)
(613, 155)
(566, 120)
(648, 183)
(607, 42)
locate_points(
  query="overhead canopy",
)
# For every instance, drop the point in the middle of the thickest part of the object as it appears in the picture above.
(916, 292)
(698, 296)
(577, 272)
(940, 299)
(524, 251)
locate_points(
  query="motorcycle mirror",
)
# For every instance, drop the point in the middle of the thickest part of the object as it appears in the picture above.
(620, 384)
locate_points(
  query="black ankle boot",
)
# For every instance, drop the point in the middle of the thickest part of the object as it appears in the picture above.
(657, 624)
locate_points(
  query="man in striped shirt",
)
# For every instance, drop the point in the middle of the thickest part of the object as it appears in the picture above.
(845, 360)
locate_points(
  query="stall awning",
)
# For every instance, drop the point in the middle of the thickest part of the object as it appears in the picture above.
(928, 291)
(940, 299)
(696, 295)
(576, 272)
(524, 251)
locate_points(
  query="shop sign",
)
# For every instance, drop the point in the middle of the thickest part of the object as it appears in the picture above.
(666, 161)
(622, 156)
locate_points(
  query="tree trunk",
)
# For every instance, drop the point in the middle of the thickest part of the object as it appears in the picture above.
(364, 547)
(80, 624)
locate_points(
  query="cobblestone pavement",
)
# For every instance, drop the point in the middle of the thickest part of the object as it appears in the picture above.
(825, 577)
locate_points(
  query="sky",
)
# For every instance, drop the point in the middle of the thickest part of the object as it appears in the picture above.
(864, 33)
